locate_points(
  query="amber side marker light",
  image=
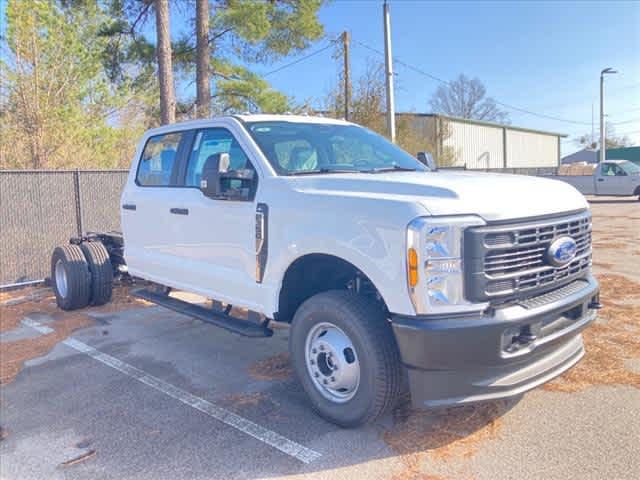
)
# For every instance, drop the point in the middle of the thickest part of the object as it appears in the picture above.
(412, 267)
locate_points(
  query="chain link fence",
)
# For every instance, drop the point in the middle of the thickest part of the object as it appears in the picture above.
(42, 209)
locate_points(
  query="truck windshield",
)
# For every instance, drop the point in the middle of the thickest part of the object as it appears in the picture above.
(295, 148)
(630, 167)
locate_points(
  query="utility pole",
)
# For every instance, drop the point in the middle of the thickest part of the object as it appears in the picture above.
(603, 136)
(346, 37)
(388, 63)
(593, 128)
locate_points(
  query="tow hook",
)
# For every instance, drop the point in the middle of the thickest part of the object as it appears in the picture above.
(524, 338)
(595, 304)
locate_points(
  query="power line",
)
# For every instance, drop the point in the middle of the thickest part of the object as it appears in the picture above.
(629, 133)
(445, 82)
(301, 59)
(628, 110)
(627, 121)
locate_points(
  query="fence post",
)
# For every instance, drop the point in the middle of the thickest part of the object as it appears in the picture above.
(76, 178)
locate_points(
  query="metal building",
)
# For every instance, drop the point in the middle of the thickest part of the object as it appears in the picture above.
(459, 142)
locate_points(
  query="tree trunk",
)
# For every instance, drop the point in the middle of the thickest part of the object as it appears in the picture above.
(165, 66)
(202, 58)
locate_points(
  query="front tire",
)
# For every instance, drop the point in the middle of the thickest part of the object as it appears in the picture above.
(345, 356)
(70, 277)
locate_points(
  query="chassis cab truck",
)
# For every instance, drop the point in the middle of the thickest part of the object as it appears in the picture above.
(470, 286)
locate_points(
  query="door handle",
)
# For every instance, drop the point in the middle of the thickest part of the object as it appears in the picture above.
(601, 179)
(128, 206)
(180, 211)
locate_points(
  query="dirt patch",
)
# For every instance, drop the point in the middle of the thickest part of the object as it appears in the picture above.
(12, 315)
(603, 265)
(15, 353)
(610, 344)
(441, 434)
(4, 433)
(608, 245)
(276, 367)
(615, 288)
(45, 302)
(18, 293)
(413, 472)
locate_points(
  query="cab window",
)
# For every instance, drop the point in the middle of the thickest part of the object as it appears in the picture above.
(612, 170)
(211, 142)
(158, 159)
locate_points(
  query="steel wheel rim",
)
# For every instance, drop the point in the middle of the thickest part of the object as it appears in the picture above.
(61, 279)
(332, 362)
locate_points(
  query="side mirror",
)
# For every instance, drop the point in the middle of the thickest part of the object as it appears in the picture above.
(220, 183)
(427, 159)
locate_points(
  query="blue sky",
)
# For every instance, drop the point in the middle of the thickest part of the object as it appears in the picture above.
(541, 56)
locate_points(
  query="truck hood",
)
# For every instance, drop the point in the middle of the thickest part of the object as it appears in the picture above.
(494, 197)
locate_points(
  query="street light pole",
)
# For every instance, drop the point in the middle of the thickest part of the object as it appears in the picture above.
(603, 136)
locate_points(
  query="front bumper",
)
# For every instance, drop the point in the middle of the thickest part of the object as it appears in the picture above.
(498, 353)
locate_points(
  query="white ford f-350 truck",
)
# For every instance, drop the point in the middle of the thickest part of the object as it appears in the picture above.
(466, 286)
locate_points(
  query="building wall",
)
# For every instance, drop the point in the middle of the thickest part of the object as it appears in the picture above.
(476, 146)
(527, 149)
(481, 145)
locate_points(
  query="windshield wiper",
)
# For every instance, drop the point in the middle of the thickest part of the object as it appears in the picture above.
(322, 170)
(393, 168)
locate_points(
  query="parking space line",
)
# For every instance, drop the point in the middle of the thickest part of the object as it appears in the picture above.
(227, 417)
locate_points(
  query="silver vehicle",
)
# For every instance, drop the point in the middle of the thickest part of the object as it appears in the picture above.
(611, 177)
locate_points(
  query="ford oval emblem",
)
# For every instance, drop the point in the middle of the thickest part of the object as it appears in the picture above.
(561, 251)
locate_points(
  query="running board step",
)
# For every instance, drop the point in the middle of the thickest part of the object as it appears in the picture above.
(219, 319)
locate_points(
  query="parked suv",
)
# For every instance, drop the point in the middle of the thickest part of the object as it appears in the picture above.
(471, 286)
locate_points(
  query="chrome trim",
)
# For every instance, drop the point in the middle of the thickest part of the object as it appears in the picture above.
(262, 244)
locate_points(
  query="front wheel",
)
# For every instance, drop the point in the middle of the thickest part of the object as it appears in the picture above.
(344, 354)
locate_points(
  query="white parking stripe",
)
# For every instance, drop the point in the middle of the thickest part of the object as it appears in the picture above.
(244, 425)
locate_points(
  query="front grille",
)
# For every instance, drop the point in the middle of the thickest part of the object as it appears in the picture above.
(504, 262)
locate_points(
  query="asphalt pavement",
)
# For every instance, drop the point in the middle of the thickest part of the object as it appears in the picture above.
(150, 394)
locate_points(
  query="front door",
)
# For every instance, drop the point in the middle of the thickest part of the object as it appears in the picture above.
(612, 180)
(216, 239)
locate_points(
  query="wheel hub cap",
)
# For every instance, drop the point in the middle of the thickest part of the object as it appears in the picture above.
(61, 279)
(332, 362)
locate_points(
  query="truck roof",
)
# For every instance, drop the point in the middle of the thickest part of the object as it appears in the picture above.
(259, 117)
(264, 117)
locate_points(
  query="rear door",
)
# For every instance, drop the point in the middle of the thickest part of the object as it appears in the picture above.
(216, 239)
(612, 180)
(148, 208)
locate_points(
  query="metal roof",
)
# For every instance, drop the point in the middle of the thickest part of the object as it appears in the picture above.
(483, 123)
(627, 153)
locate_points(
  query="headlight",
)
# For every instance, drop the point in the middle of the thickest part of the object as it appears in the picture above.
(435, 273)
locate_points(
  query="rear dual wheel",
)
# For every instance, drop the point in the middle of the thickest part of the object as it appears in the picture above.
(71, 277)
(81, 275)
